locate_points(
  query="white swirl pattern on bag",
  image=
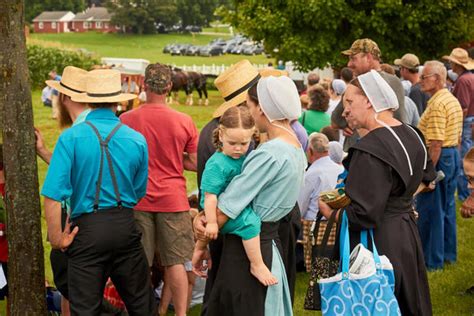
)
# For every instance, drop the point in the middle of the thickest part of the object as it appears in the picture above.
(368, 295)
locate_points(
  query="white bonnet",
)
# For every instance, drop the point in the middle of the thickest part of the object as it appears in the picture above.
(378, 91)
(278, 98)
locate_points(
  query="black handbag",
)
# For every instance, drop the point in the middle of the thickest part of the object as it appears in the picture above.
(325, 263)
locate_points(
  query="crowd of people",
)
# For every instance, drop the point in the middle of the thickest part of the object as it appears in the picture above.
(116, 202)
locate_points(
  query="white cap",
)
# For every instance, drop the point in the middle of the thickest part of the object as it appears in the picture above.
(278, 98)
(336, 153)
(339, 86)
(380, 94)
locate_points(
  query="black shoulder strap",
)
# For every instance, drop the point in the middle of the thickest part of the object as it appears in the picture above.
(104, 149)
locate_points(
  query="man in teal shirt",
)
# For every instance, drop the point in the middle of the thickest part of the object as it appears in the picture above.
(102, 166)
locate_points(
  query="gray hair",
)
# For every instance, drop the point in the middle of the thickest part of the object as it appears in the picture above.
(319, 142)
(437, 68)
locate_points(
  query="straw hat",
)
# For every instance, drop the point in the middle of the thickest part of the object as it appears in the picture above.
(103, 86)
(461, 57)
(267, 72)
(234, 83)
(73, 81)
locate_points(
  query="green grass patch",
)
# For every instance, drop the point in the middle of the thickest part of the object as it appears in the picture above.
(447, 286)
(149, 47)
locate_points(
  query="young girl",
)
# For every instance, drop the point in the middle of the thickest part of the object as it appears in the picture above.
(232, 139)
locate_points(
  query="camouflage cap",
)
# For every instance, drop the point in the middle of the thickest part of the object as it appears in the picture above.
(158, 78)
(363, 45)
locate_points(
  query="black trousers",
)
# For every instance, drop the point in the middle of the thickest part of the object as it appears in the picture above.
(59, 264)
(108, 245)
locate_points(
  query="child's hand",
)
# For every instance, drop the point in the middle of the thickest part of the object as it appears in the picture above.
(212, 230)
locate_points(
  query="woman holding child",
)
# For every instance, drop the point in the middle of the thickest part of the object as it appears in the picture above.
(267, 186)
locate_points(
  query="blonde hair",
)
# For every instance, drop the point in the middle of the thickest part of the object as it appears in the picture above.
(235, 117)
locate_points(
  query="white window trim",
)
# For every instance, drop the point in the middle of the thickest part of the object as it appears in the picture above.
(98, 24)
(40, 25)
(86, 24)
(53, 25)
(106, 25)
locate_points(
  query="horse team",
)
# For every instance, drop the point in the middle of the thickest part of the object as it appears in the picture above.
(188, 81)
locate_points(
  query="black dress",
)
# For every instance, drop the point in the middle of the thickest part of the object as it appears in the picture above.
(381, 189)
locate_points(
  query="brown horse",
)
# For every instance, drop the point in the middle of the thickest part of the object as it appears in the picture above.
(198, 81)
(179, 78)
(188, 81)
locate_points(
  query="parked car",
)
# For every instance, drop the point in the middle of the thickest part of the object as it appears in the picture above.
(161, 28)
(193, 28)
(211, 50)
(180, 49)
(193, 50)
(229, 47)
(178, 28)
(167, 49)
(218, 41)
(253, 50)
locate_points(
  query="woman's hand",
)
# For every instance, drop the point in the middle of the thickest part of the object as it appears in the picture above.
(201, 261)
(212, 230)
(199, 224)
(325, 209)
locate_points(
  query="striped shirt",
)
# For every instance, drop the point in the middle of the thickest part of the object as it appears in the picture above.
(442, 119)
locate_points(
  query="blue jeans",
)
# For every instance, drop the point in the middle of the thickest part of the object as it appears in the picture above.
(466, 144)
(437, 214)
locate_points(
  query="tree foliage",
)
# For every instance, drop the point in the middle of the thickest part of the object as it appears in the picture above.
(199, 12)
(41, 60)
(139, 16)
(312, 33)
(34, 7)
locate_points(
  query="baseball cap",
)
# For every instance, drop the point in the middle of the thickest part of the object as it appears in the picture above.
(363, 45)
(409, 61)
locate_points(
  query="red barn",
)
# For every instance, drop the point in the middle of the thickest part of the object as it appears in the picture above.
(53, 22)
(94, 19)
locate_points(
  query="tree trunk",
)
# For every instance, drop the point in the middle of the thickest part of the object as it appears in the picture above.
(26, 262)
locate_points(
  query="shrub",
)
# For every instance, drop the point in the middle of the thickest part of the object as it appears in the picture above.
(41, 60)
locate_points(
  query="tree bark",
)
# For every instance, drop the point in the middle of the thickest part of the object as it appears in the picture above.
(26, 262)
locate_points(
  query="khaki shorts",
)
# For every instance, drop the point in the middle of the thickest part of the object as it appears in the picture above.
(170, 235)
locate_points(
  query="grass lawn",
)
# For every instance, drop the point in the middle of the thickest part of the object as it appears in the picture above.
(149, 47)
(447, 286)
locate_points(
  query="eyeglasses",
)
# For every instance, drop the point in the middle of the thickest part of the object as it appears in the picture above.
(470, 179)
(423, 77)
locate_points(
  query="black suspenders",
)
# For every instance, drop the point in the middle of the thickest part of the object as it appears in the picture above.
(104, 149)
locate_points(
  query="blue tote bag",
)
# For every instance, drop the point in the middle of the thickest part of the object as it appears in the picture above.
(349, 293)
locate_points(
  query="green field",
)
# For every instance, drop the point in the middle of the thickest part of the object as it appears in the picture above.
(148, 47)
(447, 286)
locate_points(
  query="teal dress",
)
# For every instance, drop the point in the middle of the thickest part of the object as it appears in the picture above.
(219, 171)
(271, 179)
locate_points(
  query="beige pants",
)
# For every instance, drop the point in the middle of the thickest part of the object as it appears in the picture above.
(54, 104)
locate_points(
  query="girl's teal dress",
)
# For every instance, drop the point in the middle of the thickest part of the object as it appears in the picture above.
(219, 171)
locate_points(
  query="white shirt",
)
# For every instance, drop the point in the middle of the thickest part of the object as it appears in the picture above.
(320, 176)
(332, 105)
(46, 94)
